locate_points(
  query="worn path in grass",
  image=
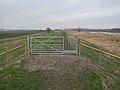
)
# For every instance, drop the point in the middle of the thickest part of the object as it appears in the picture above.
(58, 63)
(53, 72)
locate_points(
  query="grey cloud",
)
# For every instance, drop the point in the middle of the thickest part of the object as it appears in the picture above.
(59, 13)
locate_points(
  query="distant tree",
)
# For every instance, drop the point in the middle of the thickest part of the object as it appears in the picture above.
(48, 29)
(79, 29)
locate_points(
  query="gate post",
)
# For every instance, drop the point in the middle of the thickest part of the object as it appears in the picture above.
(77, 45)
(28, 45)
(63, 43)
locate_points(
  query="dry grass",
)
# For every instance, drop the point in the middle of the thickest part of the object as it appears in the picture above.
(107, 42)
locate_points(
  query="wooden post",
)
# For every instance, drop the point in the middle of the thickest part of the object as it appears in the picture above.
(79, 47)
(68, 42)
(63, 43)
(26, 48)
(28, 45)
(6, 49)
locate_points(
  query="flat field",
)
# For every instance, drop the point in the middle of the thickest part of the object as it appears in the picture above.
(109, 42)
(10, 34)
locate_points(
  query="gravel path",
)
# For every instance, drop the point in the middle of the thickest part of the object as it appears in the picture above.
(59, 63)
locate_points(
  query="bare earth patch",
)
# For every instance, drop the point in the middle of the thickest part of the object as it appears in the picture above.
(58, 63)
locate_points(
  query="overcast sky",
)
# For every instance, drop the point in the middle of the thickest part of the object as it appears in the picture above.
(40, 14)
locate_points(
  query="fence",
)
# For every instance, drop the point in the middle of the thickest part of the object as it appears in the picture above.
(13, 49)
(95, 52)
(12, 52)
(109, 63)
(18, 48)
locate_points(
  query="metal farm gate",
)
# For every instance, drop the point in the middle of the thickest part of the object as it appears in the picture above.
(52, 45)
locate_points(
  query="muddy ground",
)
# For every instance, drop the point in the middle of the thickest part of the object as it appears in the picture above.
(58, 63)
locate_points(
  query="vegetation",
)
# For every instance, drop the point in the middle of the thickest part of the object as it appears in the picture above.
(10, 34)
(111, 66)
(48, 29)
(8, 44)
(107, 42)
(11, 43)
(79, 29)
(16, 78)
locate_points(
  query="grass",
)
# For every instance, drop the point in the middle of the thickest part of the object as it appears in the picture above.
(11, 57)
(11, 34)
(16, 78)
(109, 43)
(97, 57)
(9, 44)
(14, 54)
(110, 64)
(106, 60)
(93, 79)
(88, 43)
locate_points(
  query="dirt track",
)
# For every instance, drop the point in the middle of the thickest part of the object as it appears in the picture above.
(59, 63)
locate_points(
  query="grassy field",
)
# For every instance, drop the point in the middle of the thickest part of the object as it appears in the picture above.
(106, 78)
(107, 42)
(10, 34)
